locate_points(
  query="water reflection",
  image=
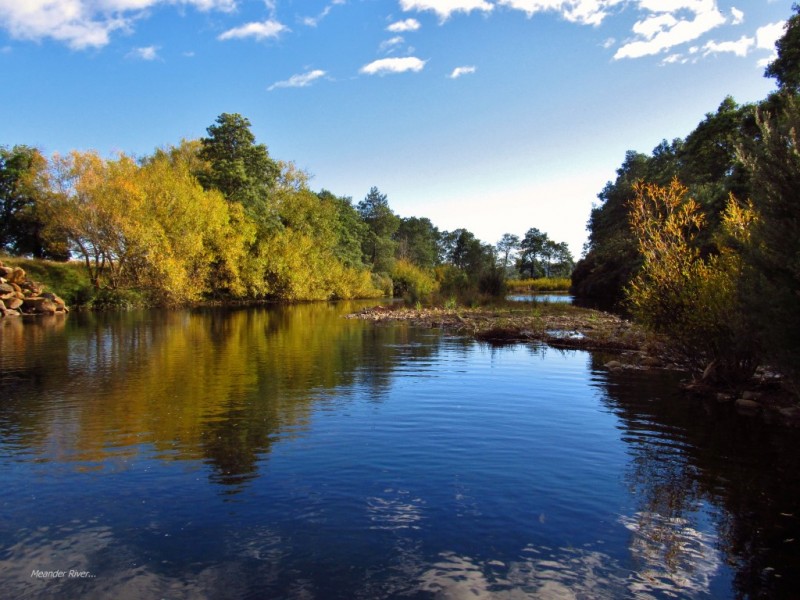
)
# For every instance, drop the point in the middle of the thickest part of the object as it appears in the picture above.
(287, 452)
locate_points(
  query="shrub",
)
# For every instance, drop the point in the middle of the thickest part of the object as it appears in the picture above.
(694, 301)
(410, 281)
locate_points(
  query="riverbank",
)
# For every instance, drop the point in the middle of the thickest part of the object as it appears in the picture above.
(562, 325)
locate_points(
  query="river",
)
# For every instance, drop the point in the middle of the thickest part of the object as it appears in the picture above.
(287, 452)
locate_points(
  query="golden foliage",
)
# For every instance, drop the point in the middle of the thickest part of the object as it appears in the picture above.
(691, 298)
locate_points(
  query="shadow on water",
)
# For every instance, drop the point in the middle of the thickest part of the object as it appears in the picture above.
(687, 455)
(270, 452)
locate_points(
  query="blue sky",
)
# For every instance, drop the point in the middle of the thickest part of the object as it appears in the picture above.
(494, 115)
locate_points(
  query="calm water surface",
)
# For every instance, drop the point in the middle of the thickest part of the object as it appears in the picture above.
(549, 297)
(291, 453)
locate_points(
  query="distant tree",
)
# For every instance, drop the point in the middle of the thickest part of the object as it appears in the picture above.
(350, 229)
(506, 246)
(23, 193)
(238, 167)
(378, 245)
(786, 67)
(418, 241)
(532, 250)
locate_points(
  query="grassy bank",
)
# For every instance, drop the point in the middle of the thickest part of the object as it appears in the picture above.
(542, 284)
(69, 280)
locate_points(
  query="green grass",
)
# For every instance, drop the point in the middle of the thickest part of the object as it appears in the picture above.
(542, 284)
(68, 280)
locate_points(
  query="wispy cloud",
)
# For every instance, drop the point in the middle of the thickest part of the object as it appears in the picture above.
(258, 30)
(445, 8)
(82, 24)
(738, 16)
(461, 71)
(393, 65)
(145, 53)
(299, 80)
(662, 30)
(314, 21)
(404, 26)
(392, 43)
(586, 12)
(741, 47)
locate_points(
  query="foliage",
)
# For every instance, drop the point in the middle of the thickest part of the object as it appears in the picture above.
(786, 67)
(411, 281)
(506, 247)
(706, 162)
(418, 242)
(694, 300)
(378, 246)
(541, 284)
(773, 257)
(23, 187)
(238, 167)
(150, 227)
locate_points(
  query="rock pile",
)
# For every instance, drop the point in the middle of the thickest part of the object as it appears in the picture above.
(21, 296)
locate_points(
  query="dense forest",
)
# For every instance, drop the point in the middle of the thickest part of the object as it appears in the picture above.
(700, 240)
(219, 219)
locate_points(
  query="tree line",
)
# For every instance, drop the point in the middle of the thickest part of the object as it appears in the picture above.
(700, 240)
(218, 218)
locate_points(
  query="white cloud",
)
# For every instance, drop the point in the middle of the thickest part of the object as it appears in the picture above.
(767, 35)
(445, 8)
(314, 21)
(403, 26)
(738, 16)
(586, 12)
(146, 53)
(392, 43)
(740, 47)
(82, 24)
(662, 30)
(393, 65)
(300, 80)
(258, 30)
(459, 71)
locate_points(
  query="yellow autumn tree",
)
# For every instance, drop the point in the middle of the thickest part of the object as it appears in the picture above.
(694, 300)
(149, 227)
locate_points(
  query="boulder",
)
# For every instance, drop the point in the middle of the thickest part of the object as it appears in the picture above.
(746, 406)
(13, 303)
(17, 276)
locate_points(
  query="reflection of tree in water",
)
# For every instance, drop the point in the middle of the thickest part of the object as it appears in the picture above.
(213, 385)
(687, 454)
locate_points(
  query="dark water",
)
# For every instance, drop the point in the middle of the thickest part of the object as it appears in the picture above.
(290, 453)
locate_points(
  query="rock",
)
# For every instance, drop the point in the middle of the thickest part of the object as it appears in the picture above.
(723, 397)
(39, 305)
(13, 303)
(749, 395)
(746, 406)
(790, 412)
(17, 276)
(10, 313)
(53, 298)
(613, 364)
(6, 271)
(651, 361)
